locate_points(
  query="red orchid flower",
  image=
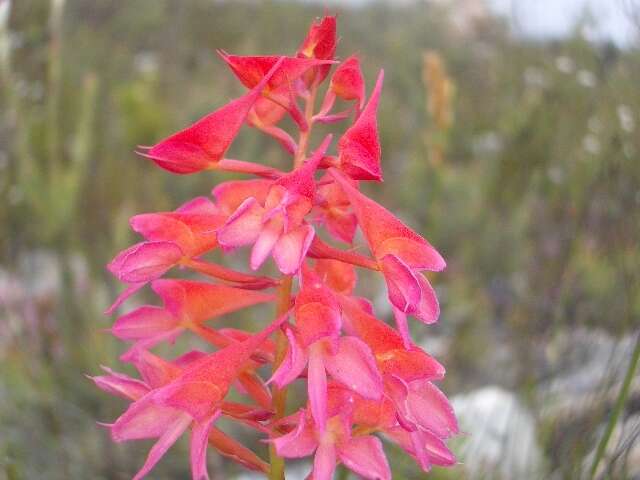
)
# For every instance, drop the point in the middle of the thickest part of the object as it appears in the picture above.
(187, 305)
(202, 145)
(363, 454)
(277, 224)
(401, 255)
(175, 239)
(317, 342)
(320, 43)
(191, 399)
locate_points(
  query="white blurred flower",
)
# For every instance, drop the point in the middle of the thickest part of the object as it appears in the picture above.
(565, 64)
(628, 149)
(586, 78)
(5, 38)
(487, 143)
(594, 124)
(625, 117)
(15, 195)
(146, 63)
(534, 77)
(501, 439)
(591, 144)
(555, 174)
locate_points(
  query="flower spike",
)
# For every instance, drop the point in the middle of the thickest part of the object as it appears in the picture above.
(363, 378)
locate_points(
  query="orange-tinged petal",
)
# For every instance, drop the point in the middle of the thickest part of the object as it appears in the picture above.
(196, 302)
(364, 455)
(359, 148)
(339, 276)
(354, 366)
(235, 451)
(203, 144)
(251, 70)
(145, 261)
(385, 233)
(230, 195)
(347, 81)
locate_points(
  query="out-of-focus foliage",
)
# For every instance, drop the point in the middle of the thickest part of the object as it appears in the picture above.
(518, 160)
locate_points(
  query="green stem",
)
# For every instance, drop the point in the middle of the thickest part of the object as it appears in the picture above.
(618, 408)
(279, 395)
(343, 473)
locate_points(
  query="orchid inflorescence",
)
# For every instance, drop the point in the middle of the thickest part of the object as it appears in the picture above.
(363, 376)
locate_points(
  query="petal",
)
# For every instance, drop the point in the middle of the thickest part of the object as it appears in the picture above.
(265, 242)
(403, 287)
(301, 181)
(354, 366)
(130, 290)
(145, 261)
(243, 227)
(435, 450)
(339, 276)
(235, 451)
(385, 233)
(364, 455)
(416, 254)
(317, 389)
(230, 195)
(359, 320)
(198, 206)
(203, 144)
(198, 447)
(347, 81)
(144, 419)
(292, 247)
(197, 398)
(341, 225)
(359, 148)
(196, 302)
(159, 227)
(168, 438)
(403, 327)
(424, 446)
(428, 309)
(251, 69)
(256, 389)
(412, 364)
(144, 344)
(143, 322)
(321, 40)
(155, 371)
(324, 463)
(120, 385)
(430, 409)
(298, 443)
(293, 363)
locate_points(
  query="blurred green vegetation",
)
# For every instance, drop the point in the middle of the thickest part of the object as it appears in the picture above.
(532, 195)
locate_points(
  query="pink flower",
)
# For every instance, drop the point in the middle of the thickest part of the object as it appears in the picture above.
(401, 254)
(277, 225)
(192, 398)
(187, 305)
(316, 341)
(203, 145)
(363, 454)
